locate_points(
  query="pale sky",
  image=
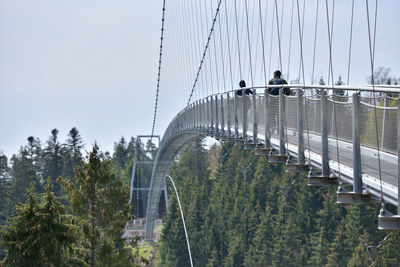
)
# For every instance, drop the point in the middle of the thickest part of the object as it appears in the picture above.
(92, 64)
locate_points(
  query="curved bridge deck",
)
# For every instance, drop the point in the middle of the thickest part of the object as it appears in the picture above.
(315, 127)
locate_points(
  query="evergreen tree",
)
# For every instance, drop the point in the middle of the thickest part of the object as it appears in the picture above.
(338, 250)
(173, 249)
(71, 153)
(52, 160)
(23, 173)
(4, 187)
(41, 234)
(99, 200)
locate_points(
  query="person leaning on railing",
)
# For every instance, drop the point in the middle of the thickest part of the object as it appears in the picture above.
(277, 80)
(242, 84)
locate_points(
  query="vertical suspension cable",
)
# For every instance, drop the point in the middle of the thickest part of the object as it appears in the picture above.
(315, 42)
(330, 36)
(159, 70)
(216, 61)
(249, 43)
(238, 42)
(290, 42)
(351, 39)
(205, 51)
(262, 43)
(272, 36)
(222, 53)
(229, 45)
(372, 62)
(209, 54)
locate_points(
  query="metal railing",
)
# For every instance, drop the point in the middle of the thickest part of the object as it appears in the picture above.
(314, 124)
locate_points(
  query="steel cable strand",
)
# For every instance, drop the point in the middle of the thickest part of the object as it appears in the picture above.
(249, 43)
(330, 40)
(207, 46)
(196, 39)
(229, 45)
(372, 61)
(200, 37)
(187, 60)
(215, 59)
(190, 40)
(209, 54)
(205, 51)
(290, 41)
(315, 42)
(159, 70)
(330, 35)
(302, 32)
(262, 43)
(222, 53)
(238, 42)
(350, 41)
(271, 38)
(302, 68)
(280, 63)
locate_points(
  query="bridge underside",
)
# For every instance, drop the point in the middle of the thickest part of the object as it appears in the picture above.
(301, 131)
(165, 156)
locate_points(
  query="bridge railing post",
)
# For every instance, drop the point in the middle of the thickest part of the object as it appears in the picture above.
(203, 115)
(282, 149)
(235, 112)
(212, 114)
(300, 132)
(254, 106)
(222, 115)
(324, 135)
(267, 111)
(228, 115)
(398, 157)
(244, 115)
(357, 172)
(216, 115)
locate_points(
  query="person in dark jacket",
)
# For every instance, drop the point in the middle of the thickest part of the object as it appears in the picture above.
(277, 80)
(242, 84)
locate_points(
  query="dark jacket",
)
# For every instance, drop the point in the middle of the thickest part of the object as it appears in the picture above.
(277, 81)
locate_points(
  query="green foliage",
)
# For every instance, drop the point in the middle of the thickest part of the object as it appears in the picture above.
(41, 234)
(99, 200)
(264, 217)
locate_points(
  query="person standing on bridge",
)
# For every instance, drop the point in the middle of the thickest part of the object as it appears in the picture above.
(277, 80)
(242, 84)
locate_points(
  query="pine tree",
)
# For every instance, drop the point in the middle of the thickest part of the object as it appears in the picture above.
(71, 153)
(52, 160)
(173, 249)
(4, 187)
(41, 234)
(338, 250)
(23, 173)
(99, 200)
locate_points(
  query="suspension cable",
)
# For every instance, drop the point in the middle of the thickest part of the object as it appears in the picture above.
(159, 70)
(372, 61)
(350, 42)
(262, 42)
(315, 42)
(290, 41)
(330, 36)
(228, 41)
(183, 219)
(249, 43)
(204, 52)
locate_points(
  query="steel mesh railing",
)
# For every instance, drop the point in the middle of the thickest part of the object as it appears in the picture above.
(225, 113)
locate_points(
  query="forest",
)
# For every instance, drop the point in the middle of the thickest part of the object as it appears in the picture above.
(62, 208)
(242, 211)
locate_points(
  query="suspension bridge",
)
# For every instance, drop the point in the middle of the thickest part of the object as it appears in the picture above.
(340, 134)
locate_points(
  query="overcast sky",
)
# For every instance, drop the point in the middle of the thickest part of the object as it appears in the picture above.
(92, 64)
